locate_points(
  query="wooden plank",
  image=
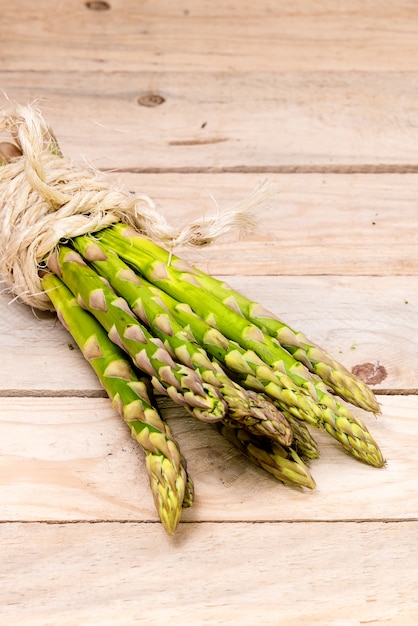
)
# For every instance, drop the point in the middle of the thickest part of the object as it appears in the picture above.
(237, 36)
(33, 351)
(316, 224)
(249, 88)
(359, 320)
(275, 574)
(73, 459)
(218, 120)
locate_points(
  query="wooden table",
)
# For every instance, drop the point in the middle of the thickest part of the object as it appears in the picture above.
(188, 102)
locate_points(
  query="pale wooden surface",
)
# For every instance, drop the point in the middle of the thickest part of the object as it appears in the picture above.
(321, 98)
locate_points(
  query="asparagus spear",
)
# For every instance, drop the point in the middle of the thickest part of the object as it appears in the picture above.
(251, 409)
(335, 418)
(243, 364)
(180, 382)
(295, 404)
(170, 484)
(173, 316)
(303, 443)
(283, 463)
(344, 383)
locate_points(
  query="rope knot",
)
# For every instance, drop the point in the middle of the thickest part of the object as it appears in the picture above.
(46, 197)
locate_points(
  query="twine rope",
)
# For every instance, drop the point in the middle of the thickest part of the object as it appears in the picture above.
(45, 198)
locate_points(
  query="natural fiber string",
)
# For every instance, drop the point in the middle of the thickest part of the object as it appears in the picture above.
(45, 198)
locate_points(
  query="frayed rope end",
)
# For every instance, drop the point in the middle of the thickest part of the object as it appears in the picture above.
(45, 198)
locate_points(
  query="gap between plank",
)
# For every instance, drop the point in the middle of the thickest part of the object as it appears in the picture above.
(53, 393)
(348, 520)
(365, 168)
(101, 393)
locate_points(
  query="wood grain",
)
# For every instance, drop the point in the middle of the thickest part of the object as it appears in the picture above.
(189, 102)
(352, 225)
(162, 35)
(228, 121)
(316, 224)
(277, 573)
(73, 459)
(378, 330)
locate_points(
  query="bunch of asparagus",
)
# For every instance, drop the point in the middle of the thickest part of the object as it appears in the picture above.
(149, 322)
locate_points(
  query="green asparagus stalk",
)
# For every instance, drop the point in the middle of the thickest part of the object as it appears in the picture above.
(336, 419)
(243, 364)
(294, 402)
(181, 383)
(283, 463)
(252, 410)
(170, 484)
(334, 374)
(344, 383)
